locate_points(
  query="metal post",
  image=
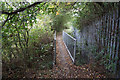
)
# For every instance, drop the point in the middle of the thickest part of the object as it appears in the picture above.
(54, 62)
(74, 50)
(118, 61)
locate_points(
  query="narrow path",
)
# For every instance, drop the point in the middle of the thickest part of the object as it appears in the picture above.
(65, 68)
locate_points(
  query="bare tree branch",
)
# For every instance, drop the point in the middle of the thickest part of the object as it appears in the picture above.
(16, 11)
(7, 19)
(19, 10)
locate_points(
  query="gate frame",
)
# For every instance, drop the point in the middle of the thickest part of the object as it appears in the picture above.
(73, 58)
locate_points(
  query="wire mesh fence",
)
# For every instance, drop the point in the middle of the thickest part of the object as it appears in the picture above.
(70, 44)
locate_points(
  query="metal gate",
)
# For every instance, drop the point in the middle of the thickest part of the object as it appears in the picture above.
(70, 44)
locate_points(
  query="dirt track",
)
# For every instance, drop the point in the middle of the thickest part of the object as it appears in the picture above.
(65, 67)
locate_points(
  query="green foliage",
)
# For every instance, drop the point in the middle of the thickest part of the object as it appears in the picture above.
(105, 60)
(61, 17)
(15, 34)
(100, 58)
(81, 59)
(59, 21)
(26, 43)
(40, 40)
(85, 13)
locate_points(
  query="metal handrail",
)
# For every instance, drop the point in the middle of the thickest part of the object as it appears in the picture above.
(70, 36)
(72, 57)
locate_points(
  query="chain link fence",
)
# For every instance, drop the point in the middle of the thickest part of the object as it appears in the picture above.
(70, 44)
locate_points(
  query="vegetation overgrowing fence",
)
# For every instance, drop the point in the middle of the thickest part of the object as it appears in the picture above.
(70, 44)
(105, 35)
(108, 39)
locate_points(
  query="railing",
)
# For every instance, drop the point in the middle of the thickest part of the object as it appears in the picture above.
(70, 44)
(54, 60)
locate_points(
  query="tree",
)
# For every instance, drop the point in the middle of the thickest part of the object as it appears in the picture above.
(18, 20)
(10, 11)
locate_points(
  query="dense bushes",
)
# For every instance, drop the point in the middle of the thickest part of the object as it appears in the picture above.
(58, 23)
(60, 20)
(85, 13)
(38, 38)
(26, 43)
(41, 46)
(38, 55)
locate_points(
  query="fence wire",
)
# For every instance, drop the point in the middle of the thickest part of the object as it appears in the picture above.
(70, 44)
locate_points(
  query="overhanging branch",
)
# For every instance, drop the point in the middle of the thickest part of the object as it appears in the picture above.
(19, 10)
(7, 20)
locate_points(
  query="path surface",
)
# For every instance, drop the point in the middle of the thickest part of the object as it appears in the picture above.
(65, 68)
